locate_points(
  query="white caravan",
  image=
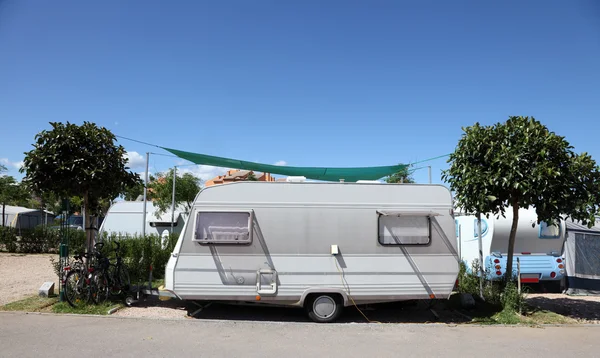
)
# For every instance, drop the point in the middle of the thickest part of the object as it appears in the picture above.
(538, 247)
(125, 218)
(321, 246)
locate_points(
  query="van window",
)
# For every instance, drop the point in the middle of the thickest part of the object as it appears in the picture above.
(223, 227)
(484, 228)
(404, 230)
(549, 231)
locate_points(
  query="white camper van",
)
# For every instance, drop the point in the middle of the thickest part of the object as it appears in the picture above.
(321, 246)
(538, 247)
(126, 218)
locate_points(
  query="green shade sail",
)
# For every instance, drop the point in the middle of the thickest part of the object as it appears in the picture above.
(326, 174)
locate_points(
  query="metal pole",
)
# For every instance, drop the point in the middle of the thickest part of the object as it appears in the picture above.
(479, 240)
(173, 200)
(145, 195)
(459, 242)
(429, 174)
(519, 274)
(519, 279)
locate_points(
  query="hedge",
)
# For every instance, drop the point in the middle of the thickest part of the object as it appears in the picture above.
(139, 252)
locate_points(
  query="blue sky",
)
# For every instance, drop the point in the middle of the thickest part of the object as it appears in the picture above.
(309, 83)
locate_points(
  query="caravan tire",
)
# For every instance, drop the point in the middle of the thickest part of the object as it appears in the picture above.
(324, 308)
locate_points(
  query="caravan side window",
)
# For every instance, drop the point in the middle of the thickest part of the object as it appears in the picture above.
(404, 230)
(549, 231)
(225, 227)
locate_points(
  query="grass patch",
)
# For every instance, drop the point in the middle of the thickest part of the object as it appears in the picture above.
(531, 316)
(547, 317)
(64, 307)
(30, 304)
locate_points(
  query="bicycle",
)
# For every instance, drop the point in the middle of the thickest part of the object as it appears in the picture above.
(118, 273)
(110, 279)
(78, 284)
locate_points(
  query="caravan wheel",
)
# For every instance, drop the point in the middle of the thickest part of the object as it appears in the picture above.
(324, 308)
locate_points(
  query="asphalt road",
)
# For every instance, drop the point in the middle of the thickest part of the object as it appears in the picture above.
(40, 335)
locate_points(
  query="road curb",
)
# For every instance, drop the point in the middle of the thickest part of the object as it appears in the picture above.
(114, 309)
(349, 324)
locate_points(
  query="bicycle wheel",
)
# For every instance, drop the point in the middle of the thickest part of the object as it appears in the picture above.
(77, 289)
(120, 280)
(124, 279)
(100, 290)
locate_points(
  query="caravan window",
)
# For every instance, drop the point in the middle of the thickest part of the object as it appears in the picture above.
(404, 230)
(549, 232)
(223, 227)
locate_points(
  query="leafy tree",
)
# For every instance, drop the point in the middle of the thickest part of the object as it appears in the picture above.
(72, 160)
(187, 187)
(133, 192)
(11, 192)
(401, 176)
(251, 177)
(520, 163)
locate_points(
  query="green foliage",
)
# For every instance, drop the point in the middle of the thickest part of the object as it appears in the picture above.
(251, 177)
(72, 160)
(78, 161)
(30, 304)
(8, 239)
(11, 193)
(133, 192)
(503, 295)
(401, 176)
(141, 252)
(38, 240)
(101, 309)
(520, 163)
(511, 299)
(187, 187)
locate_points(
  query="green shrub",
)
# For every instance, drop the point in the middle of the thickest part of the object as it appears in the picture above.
(38, 240)
(142, 252)
(498, 293)
(511, 299)
(8, 239)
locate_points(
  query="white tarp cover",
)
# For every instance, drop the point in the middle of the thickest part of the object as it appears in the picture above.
(582, 259)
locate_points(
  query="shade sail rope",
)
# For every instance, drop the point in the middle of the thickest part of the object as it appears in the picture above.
(349, 174)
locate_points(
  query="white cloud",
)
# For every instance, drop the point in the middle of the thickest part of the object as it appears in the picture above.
(281, 163)
(204, 172)
(135, 160)
(8, 164)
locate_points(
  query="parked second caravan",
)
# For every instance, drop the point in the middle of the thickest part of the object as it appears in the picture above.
(538, 247)
(125, 218)
(321, 246)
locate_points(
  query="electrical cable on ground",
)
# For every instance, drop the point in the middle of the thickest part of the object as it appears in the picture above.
(344, 284)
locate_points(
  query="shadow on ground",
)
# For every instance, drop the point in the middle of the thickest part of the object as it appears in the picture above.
(440, 311)
(579, 309)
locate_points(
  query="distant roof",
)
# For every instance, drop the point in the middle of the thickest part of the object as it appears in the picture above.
(9, 209)
(138, 206)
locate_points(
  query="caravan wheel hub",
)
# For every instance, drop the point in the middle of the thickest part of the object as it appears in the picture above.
(324, 306)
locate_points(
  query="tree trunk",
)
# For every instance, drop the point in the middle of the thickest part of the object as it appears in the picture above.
(511, 240)
(3, 213)
(89, 236)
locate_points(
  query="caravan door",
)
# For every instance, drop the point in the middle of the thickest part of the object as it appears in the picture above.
(237, 249)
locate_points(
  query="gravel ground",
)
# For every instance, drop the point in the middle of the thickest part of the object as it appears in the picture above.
(22, 275)
(155, 309)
